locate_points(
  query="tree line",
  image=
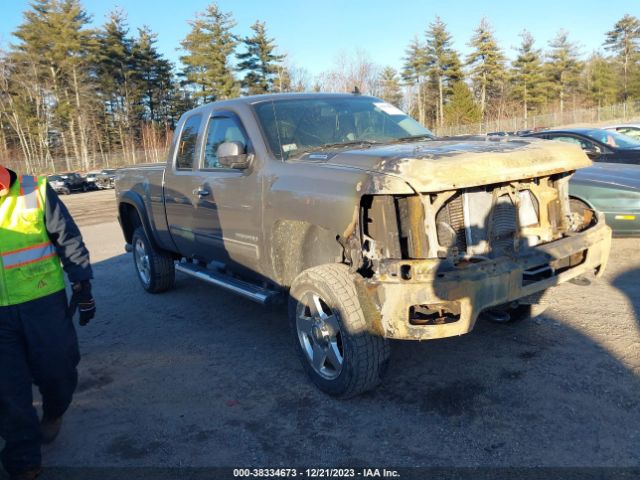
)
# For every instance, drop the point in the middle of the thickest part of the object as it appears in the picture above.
(73, 95)
(448, 90)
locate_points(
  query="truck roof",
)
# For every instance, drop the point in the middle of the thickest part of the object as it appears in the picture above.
(268, 97)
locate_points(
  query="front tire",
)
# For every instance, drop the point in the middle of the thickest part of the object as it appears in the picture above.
(331, 334)
(155, 268)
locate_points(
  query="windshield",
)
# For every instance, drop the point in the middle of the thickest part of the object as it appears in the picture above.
(295, 126)
(54, 178)
(614, 139)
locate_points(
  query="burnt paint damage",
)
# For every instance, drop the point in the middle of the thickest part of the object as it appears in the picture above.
(419, 287)
(431, 166)
(379, 206)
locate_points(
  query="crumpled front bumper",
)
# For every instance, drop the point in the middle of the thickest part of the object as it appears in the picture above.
(402, 284)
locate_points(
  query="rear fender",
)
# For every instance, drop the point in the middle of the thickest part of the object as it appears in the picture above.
(128, 224)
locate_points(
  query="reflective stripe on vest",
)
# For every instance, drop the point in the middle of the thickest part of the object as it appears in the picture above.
(27, 255)
(29, 191)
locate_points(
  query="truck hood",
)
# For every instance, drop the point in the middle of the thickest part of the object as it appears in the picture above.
(432, 166)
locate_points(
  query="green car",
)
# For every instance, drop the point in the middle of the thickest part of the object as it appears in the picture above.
(611, 188)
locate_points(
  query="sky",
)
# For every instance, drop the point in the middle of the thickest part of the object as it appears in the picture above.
(314, 33)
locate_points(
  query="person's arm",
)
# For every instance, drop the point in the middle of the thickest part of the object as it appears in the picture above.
(66, 237)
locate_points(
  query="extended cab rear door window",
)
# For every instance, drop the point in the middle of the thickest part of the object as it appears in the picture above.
(222, 128)
(187, 146)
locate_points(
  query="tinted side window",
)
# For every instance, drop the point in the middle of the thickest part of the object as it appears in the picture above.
(584, 144)
(188, 140)
(222, 129)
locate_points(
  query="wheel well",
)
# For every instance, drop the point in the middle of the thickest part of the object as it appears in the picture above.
(129, 220)
(573, 197)
(297, 246)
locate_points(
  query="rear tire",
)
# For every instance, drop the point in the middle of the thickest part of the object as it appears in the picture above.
(155, 268)
(516, 314)
(338, 353)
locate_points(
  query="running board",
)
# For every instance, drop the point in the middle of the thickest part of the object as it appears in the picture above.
(246, 289)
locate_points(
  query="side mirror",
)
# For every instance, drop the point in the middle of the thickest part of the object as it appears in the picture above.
(232, 155)
(593, 152)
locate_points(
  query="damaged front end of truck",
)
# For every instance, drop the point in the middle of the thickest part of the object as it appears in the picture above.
(482, 233)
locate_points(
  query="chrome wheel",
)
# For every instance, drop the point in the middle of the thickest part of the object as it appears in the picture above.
(320, 335)
(142, 261)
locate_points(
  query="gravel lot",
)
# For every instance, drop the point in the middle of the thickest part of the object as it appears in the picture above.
(199, 377)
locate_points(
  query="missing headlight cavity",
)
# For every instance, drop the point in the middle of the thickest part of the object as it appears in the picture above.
(395, 224)
(439, 314)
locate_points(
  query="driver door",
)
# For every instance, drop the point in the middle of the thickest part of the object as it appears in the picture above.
(227, 221)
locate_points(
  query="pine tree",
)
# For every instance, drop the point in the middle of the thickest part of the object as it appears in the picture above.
(415, 72)
(56, 41)
(118, 85)
(624, 40)
(600, 80)
(153, 75)
(259, 61)
(527, 76)
(443, 64)
(487, 65)
(209, 45)
(462, 109)
(562, 67)
(389, 85)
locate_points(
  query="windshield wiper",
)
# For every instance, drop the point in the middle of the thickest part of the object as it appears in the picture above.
(423, 136)
(314, 148)
(364, 143)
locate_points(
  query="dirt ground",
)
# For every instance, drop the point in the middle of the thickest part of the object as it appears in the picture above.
(199, 377)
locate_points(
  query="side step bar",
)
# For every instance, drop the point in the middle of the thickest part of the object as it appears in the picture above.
(246, 289)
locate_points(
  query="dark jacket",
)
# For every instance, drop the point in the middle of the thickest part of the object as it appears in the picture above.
(66, 237)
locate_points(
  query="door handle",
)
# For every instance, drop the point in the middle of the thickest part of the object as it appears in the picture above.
(201, 192)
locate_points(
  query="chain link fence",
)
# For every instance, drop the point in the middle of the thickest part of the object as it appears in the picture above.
(597, 115)
(95, 162)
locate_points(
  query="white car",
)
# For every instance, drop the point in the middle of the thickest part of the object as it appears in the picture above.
(629, 129)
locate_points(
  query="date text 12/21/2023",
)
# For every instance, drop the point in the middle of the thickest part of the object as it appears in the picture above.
(315, 473)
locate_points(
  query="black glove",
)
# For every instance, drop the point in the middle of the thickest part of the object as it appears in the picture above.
(83, 301)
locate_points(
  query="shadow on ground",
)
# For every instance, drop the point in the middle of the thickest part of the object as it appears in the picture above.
(199, 377)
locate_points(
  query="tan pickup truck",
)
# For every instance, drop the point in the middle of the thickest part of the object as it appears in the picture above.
(371, 227)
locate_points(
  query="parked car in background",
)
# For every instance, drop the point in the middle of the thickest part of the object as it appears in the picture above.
(630, 130)
(612, 189)
(65, 183)
(59, 184)
(75, 182)
(91, 179)
(498, 134)
(106, 179)
(600, 145)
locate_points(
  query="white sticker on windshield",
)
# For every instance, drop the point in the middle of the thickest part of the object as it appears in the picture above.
(388, 108)
(289, 146)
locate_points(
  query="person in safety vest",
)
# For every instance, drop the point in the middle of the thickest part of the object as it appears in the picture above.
(38, 343)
